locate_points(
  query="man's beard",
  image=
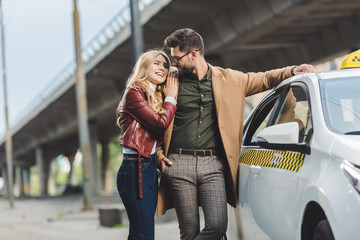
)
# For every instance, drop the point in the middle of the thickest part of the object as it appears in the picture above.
(186, 71)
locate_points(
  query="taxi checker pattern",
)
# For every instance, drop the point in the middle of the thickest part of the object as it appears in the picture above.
(275, 159)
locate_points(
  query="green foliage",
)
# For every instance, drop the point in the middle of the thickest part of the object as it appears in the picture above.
(115, 157)
(79, 174)
(114, 147)
(121, 226)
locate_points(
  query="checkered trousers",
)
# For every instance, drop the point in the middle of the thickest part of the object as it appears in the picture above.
(194, 180)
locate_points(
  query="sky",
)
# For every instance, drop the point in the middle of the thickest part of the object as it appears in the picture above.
(39, 43)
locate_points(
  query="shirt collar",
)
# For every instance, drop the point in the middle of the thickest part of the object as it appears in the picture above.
(207, 76)
(152, 85)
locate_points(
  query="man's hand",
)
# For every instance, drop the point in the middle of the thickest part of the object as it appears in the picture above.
(163, 164)
(303, 68)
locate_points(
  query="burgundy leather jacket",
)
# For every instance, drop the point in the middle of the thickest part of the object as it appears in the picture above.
(140, 125)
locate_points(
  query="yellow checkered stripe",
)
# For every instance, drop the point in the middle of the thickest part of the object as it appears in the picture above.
(291, 161)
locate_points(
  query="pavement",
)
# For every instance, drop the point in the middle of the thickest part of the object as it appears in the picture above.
(63, 218)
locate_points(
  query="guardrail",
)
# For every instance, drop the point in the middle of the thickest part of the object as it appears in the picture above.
(115, 25)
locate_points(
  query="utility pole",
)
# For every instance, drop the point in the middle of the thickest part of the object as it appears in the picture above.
(9, 148)
(81, 100)
(136, 30)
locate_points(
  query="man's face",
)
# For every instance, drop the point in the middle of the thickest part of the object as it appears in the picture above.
(182, 60)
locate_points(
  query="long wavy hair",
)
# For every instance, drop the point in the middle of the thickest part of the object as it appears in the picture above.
(139, 75)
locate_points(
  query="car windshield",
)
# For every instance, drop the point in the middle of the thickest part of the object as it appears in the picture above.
(341, 104)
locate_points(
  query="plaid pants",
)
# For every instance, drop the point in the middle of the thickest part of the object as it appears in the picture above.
(194, 180)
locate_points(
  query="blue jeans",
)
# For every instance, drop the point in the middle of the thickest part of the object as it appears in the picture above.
(140, 212)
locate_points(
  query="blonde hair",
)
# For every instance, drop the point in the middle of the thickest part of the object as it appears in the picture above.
(138, 75)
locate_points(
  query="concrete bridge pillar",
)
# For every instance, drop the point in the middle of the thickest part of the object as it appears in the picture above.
(72, 180)
(51, 188)
(19, 181)
(19, 178)
(94, 169)
(4, 176)
(106, 173)
(26, 179)
(43, 170)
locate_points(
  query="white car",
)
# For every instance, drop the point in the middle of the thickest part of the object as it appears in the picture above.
(300, 160)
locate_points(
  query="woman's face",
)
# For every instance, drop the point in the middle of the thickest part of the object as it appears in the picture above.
(157, 70)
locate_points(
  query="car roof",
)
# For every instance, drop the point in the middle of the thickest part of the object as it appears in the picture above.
(315, 77)
(339, 73)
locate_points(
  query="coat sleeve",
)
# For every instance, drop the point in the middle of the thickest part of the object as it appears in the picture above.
(141, 111)
(262, 81)
(160, 153)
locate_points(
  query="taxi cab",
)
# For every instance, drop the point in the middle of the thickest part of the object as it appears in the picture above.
(300, 159)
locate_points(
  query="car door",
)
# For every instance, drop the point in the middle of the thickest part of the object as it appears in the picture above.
(273, 174)
(258, 120)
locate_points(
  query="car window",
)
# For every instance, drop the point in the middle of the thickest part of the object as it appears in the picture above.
(260, 119)
(295, 108)
(263, 125)
(341, 104)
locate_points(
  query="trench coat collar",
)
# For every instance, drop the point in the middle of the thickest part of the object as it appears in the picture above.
(217, 84)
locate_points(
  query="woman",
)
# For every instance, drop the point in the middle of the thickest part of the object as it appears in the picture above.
(143, 116)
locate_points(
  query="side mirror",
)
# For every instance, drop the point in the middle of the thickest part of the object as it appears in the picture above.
(282, 137)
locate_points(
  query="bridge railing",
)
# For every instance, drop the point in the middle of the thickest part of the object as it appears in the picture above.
(115, 25)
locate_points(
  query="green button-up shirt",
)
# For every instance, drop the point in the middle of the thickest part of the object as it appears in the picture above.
(195, 124)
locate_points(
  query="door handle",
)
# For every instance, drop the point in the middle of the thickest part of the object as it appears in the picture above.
(255, 170)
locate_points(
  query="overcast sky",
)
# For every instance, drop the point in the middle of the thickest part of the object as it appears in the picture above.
(39, 42)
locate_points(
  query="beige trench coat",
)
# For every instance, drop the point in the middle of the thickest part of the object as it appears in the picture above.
(230, 87)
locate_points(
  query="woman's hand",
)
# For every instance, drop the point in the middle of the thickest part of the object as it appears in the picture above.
(171, 86)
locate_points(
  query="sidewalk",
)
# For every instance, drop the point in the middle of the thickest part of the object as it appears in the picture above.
(63, 219)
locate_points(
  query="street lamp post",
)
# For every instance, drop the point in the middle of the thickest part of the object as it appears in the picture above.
(136, 30)
(81, 101)
(9, 148)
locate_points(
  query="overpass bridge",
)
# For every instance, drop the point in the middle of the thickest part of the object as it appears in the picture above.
(248, 35)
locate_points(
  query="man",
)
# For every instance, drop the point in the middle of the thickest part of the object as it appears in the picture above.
(199, 159)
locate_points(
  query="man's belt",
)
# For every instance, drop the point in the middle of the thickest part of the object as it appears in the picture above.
(201, 153)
